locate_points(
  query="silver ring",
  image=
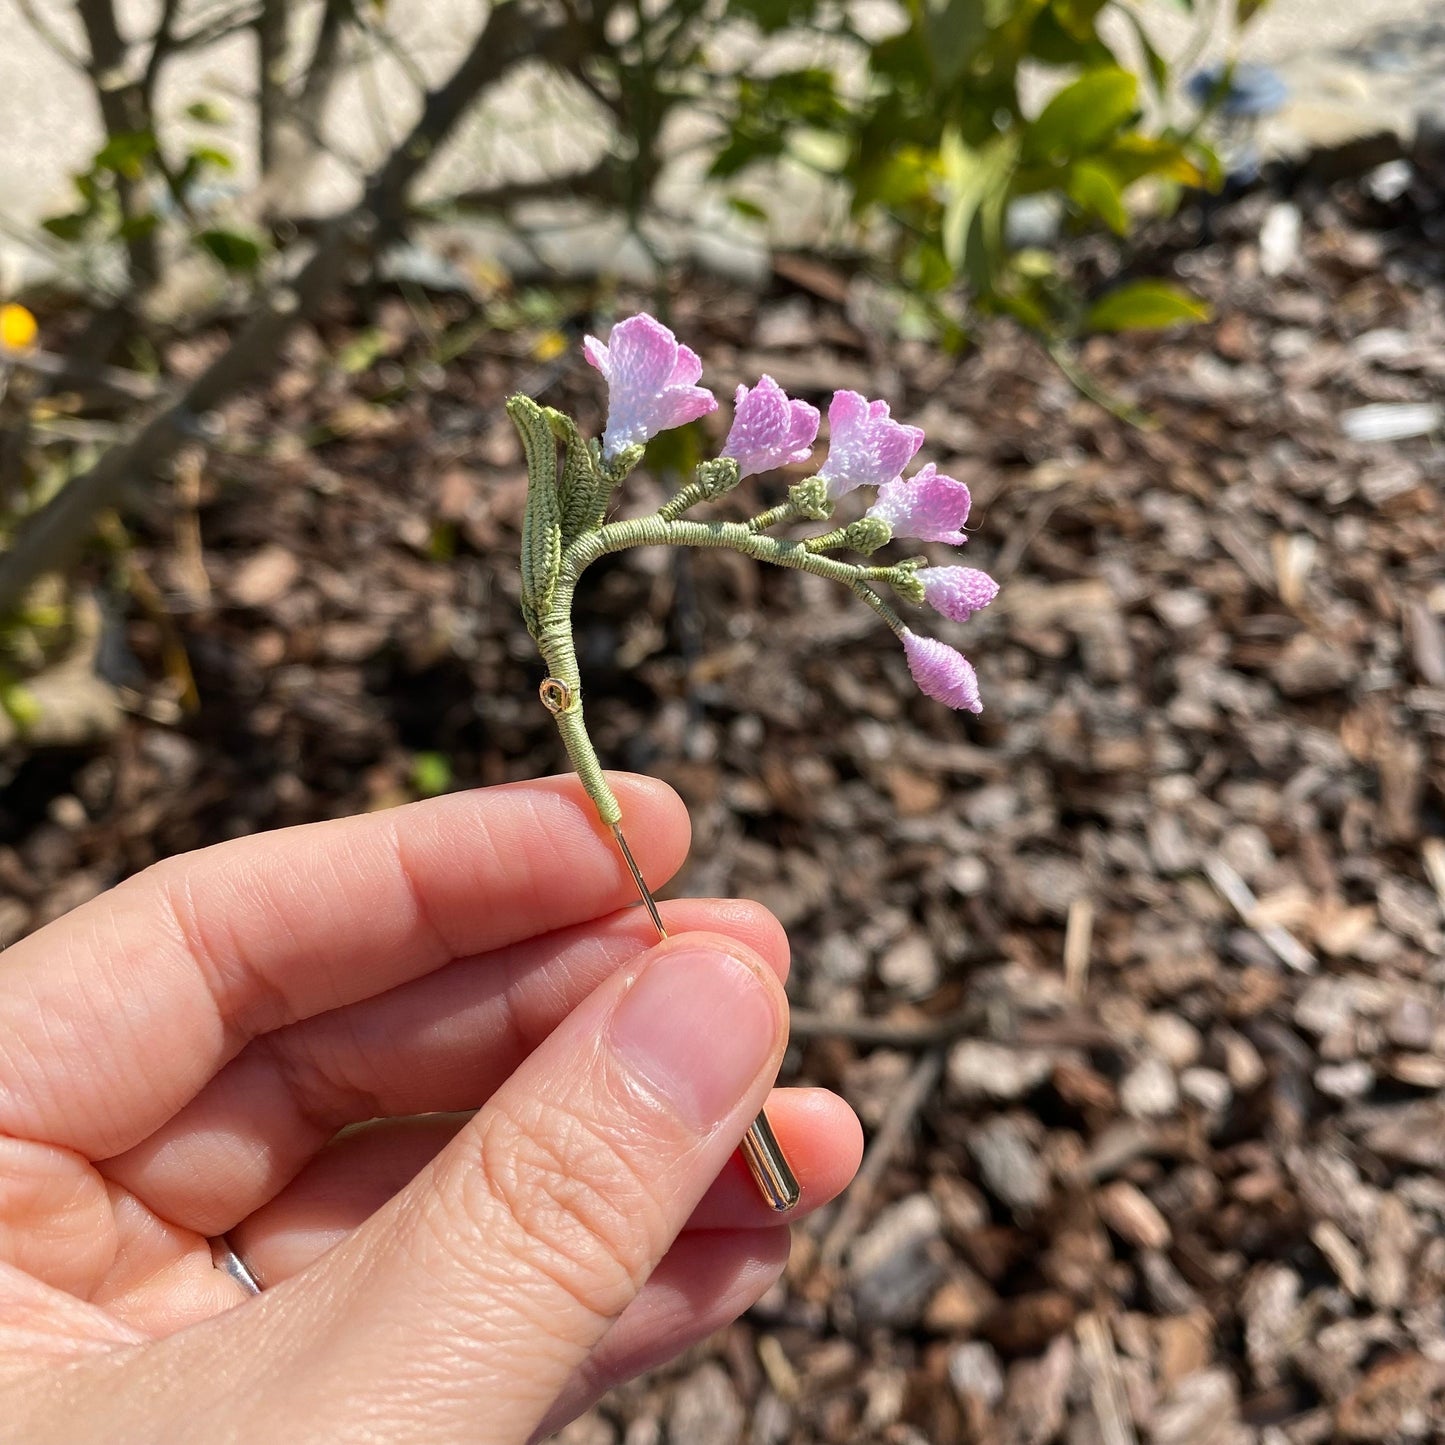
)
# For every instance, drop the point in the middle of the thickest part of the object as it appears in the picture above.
(225, 1258)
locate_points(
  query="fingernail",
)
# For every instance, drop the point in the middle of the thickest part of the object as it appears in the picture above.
(696, 1027)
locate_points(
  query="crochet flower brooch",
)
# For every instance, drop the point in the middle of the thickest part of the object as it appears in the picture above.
(652, 386)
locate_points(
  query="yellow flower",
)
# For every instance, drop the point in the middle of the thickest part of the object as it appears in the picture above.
(17, 328)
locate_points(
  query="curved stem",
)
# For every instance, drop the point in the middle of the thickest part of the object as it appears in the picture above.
(688, 497)
(895, 623)
(827, 541)
(783, 512)
(555, 632)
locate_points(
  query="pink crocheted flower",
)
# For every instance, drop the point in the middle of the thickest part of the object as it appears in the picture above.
(942, 672)
(957, 592)
(770, 429)
(866, 447)
(928, 508)
(651, 382)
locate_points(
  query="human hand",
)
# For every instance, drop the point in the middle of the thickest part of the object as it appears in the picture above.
(177, 1057)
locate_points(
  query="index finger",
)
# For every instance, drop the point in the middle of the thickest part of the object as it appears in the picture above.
(115, 1015)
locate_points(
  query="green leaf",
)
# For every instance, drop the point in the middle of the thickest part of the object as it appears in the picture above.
(431, 774)
(749, 210)
(583, 491)
(1132, 157)
(542, 521)
(741, 151)
(771, 16)
(209, 156)
(676, 451)
(70, 227)
(954, 29)
(441, 546)
(1246, 10)
(1082, 116)
(1050, 41)
(208, 112)
(20, 705)
(235, 250)
(925, 268)
(134, 227)
(1144, 306)
(1096, 192)
(820, 150)
(1077, 17)
(126, 153)
(906, 175)
(976, 190)
(362, 351)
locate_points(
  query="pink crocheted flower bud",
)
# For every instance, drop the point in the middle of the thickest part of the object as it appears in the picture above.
(942, 672)
(769, 428)
(929, 507)
(651, 382)
(866, 447)
(957, 592)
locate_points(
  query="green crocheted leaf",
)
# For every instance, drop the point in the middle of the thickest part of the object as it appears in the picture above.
(542, 522)
(583, 491)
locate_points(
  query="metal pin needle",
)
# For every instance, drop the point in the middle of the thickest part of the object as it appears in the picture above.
(761, 1151)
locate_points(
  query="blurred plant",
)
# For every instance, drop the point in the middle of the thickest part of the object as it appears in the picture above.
(939, 138)
(927, 131)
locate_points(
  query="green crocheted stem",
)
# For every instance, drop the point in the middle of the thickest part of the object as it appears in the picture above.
(784, 512)
(555, 630)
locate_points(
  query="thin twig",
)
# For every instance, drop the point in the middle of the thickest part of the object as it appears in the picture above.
(49, 35)
(598, 182)
(1091, 390)
(162, 47)
(1078, 944)
(324, 66)
(1106, 1381)
(270, 96)
(124, 110)
(1236, 892)
(912, 1095)
(213, 32)
(78, 371)
(1020, 538)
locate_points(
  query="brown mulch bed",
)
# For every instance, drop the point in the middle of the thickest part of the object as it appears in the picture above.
(1135, 979)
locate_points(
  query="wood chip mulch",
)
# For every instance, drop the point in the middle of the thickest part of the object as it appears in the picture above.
(1136, 980)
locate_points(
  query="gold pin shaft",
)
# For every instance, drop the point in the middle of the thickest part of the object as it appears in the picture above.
(760, 1148)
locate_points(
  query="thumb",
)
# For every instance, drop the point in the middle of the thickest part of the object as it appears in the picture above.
(489, 1280)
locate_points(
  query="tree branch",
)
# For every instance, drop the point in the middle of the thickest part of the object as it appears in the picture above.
(51, 537)
(162, 47)
(597, 182)
(212, 32)
(52, 38)
(324, 65)
(124, 110)
(270, 65)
